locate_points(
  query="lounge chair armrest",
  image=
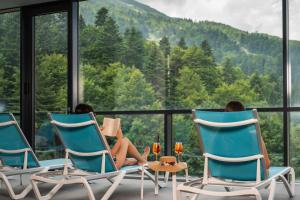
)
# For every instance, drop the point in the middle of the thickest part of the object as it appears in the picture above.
(86, 154)
(7, 123)
(227, 124)
(97, 153)
(73, 125)
(227, 159)
(16, 151)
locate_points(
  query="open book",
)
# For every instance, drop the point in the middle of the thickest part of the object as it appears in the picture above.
(111, 126)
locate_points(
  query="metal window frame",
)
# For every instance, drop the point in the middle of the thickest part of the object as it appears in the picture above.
(72, 7)
(28, 14)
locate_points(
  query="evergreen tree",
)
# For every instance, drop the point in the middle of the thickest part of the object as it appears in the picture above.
(176, 63)
(229, 73)
(134, 51)
(101, 16)
(164, 46)
(182, 43)
(82, 24)
(206, 48)
(190, 89)
(154, 69)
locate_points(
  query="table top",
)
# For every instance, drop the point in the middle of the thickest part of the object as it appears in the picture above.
(157, 166)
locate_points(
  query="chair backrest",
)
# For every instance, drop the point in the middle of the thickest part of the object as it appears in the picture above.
(85, 139)
(12, 138)
(231, 142)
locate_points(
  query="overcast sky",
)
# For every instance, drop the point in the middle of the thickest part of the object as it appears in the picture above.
(263, 16)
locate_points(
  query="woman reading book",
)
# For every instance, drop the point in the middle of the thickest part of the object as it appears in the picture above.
(122, 146)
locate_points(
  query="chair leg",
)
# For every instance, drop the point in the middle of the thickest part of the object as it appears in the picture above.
(49, 195)
(272, 189)
(142, 183)
(289, 185)
(10, 190)
(114, 186)
(89, 189)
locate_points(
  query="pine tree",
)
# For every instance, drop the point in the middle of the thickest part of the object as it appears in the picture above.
(182, 43)
(134, 51)
(164, 46)
(154, 69)
(101, 17)
(206, 48)
(82, 24)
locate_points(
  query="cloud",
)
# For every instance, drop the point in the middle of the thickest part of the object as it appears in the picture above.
(263, 16)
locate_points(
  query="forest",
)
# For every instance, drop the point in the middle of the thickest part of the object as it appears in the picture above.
(127, 64)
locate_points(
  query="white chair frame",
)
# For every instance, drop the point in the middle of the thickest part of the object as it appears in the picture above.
(83, 177)
(6, 172)
(252, 188)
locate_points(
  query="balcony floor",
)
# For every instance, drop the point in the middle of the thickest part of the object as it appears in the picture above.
(130, 190)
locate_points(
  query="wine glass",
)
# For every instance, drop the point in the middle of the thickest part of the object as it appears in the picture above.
(178, 150)
(156, 149)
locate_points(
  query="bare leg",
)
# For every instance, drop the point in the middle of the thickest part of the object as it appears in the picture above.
(121, 154)
(128, 147)
(132, 150)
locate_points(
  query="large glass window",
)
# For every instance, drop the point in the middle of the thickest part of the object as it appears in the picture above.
(10, 62)
(50, 80)
(136, 57)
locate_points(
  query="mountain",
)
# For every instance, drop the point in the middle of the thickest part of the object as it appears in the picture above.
(251, 51)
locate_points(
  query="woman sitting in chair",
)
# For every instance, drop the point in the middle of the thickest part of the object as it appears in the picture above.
(122, 146)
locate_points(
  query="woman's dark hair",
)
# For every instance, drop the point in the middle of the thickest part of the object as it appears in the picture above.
(234, 106)
(83, 108)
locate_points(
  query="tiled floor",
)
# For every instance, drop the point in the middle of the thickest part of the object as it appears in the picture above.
(130, 190)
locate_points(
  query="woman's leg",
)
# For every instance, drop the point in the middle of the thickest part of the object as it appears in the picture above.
(121, 154)
(132, 150)
(127, 147)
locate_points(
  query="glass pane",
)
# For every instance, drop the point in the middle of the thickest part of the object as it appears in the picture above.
(271, 125)
(134, 57)
(141, 130)
(10, 62)
(294, 50)
(50, 80)
(295, 142)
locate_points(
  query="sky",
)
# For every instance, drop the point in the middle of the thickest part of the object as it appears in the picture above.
(263, 16)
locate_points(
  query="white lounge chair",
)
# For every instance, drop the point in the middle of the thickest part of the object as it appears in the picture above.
(231, 143)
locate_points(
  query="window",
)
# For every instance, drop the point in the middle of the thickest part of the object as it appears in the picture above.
(134, 57)
(10, 62)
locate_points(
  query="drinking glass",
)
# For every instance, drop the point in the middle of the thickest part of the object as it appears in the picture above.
(178, 150)
(156, 149)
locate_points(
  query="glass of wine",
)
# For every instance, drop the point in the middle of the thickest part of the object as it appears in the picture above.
(178, 150)
(156, 149)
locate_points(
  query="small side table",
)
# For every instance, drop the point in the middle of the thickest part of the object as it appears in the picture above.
(158, 166)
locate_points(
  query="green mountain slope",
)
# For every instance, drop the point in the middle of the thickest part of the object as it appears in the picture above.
(251, 51)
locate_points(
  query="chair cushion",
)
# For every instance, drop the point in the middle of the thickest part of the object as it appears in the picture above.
(275, 171)
(54, 163)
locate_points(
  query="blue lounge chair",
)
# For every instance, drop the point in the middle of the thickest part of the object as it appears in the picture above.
(231, 143)
(17, 157)
(88, 150)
